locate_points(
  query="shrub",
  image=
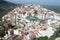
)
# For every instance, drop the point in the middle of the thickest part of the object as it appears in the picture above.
(43, 38)
(2, 33)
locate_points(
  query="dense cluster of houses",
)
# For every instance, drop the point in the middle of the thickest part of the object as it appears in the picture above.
(32, 21)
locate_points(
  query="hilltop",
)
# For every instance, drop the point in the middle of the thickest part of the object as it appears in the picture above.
(32, 21)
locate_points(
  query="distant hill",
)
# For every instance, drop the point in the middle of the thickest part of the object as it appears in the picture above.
(53, 8)
(5, 7)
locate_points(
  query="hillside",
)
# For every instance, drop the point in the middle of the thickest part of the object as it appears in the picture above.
(35, 21)
(6, 7)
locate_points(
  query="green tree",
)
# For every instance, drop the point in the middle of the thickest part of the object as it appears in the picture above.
(57, 33)
(33, 18)
(11, 26)
(2, 33)
(43, 38)
(0, 23)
